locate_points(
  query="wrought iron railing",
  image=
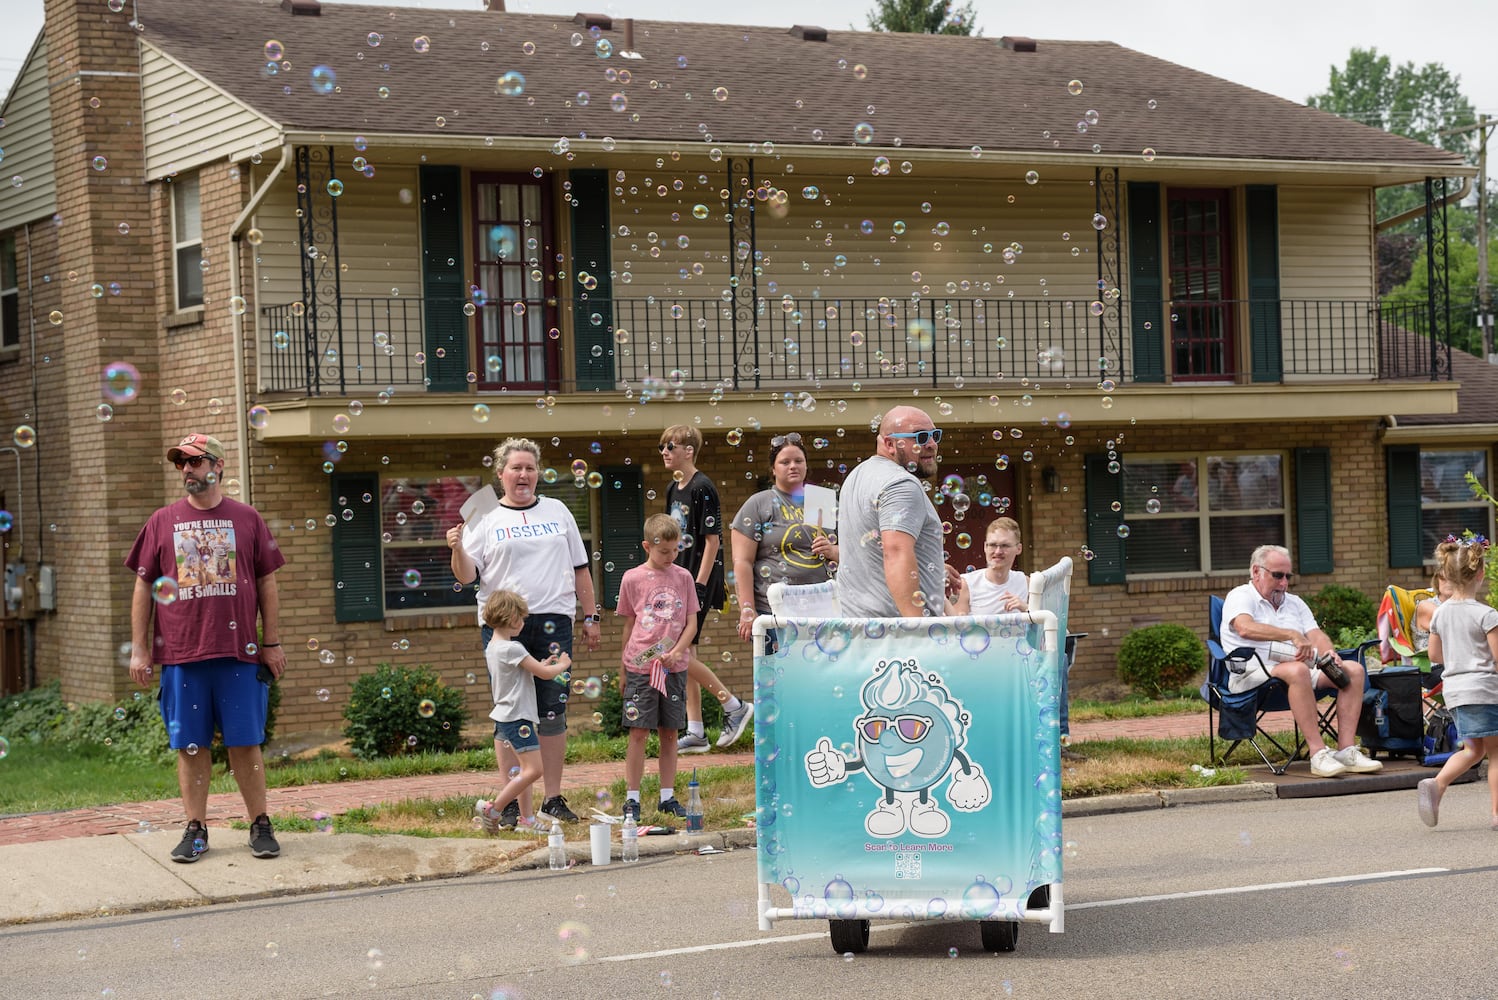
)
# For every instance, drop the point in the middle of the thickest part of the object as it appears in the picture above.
(946, 342)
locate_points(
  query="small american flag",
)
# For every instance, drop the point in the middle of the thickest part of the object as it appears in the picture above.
(658, 675)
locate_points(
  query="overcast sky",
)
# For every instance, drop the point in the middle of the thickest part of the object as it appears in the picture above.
(1285, 47)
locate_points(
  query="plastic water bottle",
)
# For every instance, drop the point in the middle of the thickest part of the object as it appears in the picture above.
(556, 846)
(694, 804)
(629, 836)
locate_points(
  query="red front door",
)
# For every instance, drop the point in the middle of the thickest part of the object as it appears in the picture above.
(1201, 285)
(514, 283)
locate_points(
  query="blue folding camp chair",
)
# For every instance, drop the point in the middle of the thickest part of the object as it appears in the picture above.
(1238, 717)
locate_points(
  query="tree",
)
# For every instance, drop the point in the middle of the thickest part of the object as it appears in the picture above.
(1461, 269)
(1418, 102)
(923, 17)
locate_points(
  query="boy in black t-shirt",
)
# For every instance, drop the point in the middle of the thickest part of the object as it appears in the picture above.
(693, 501)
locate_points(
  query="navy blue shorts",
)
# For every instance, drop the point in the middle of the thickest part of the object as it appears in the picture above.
(224, 694)
(542, 636)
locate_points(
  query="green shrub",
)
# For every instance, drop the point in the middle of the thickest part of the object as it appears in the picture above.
(1337, 607)
(401, 710)
(1159, 658)
(610, 705)
(33, 715)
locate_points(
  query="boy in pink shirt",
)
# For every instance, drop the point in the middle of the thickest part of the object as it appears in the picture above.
(658, 602)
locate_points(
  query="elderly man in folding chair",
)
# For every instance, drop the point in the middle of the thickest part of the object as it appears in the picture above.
(1264, 615)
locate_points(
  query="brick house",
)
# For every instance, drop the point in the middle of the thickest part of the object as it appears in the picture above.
(361, 245)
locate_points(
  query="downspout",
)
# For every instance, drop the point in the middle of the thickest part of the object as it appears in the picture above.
(242, 421)
(1419, 210)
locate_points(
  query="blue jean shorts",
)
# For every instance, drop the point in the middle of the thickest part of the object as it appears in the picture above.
(1476, 721)
(224, 694)
(521, 735)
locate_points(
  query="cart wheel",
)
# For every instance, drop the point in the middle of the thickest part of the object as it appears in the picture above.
(849, 936)
(999, 935)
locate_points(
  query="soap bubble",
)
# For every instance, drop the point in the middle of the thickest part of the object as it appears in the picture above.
(164, 590)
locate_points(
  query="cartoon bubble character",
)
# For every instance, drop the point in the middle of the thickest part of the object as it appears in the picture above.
(909, 737)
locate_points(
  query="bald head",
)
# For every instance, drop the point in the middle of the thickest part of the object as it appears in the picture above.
(904, 418)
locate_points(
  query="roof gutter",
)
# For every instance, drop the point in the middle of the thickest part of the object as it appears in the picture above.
(1419, 210)
(1396, 433)
(242, 418)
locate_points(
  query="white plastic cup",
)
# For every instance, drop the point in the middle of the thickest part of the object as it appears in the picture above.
(598, 839)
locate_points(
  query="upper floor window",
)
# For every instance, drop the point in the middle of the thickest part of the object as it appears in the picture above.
(10, 294)
(187, 242)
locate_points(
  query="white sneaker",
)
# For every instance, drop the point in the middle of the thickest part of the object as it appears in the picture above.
(1324, 764)
(692, 743)
(1357, 762)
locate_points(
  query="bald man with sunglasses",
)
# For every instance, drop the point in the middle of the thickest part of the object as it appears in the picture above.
(889, 534)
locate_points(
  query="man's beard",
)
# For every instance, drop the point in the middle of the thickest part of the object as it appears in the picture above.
(1276, 598)
(196, 486)
(920, 470)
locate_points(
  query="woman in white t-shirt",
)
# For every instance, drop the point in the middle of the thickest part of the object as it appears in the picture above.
(998, 587)
(531, 544)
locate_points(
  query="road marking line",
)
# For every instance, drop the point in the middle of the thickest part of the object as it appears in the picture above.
(876, 927)
(1265, 887)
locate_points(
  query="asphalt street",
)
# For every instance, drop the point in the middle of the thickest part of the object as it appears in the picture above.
(1337, 897)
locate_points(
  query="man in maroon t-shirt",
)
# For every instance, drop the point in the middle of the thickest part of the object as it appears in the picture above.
(204, 566)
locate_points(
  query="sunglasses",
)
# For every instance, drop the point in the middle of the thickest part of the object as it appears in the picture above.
(192, 462)
(791, 438)
(922, 438)
(1278, 575)
(910, 728)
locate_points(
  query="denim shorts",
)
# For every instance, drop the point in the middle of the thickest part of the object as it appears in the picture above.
(538, 635)
(1476, 721)
(224, 694)
(521, 735)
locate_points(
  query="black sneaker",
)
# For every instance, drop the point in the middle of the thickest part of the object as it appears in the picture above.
(556, 808)
(632, 810)
(673, 808)
(509, 815)
(263, 838)
(193, 845)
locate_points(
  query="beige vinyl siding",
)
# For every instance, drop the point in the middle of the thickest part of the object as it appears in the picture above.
(1326, 271)
(379, 247)
(923, 295)
(189, 122)
(27, 141)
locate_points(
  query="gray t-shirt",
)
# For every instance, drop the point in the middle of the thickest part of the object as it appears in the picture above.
(881, 496)
(1463, 627)
(513, 689)
(775, 522)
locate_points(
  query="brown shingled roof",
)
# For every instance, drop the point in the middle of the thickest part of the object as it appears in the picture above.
(919, 91)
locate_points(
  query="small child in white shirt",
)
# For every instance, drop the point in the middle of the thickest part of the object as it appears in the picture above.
(514, 712)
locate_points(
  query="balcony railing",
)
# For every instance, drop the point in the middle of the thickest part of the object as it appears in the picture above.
(951, 342)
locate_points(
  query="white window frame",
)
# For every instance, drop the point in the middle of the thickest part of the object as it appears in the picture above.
(1204, 514)
(10, 295)
(187, 235)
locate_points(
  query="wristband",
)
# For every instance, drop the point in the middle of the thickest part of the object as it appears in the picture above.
(270, 645)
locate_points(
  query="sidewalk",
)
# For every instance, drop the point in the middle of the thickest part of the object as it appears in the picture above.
(57, 865)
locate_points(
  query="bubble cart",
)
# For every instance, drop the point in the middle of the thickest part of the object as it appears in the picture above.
(909, 768)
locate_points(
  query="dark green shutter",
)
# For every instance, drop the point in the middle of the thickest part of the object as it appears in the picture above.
(1146, 283)
(1313, 510)
(591, 253)
(1406, 528)
(442, 278)
(1262, 214)
(1104, 488)
(358, 589)
(621, 515)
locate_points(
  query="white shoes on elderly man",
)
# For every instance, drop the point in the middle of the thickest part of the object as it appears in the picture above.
(1328, 763)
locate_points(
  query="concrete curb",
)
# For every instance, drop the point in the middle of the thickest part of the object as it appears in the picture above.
(580, 853)
(1167, 798)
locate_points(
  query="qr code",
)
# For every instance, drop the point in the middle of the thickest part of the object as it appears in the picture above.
(907, 865)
